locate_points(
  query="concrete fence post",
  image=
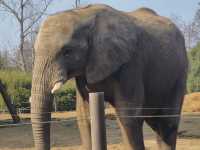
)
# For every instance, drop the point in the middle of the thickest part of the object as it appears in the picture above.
(97, 115)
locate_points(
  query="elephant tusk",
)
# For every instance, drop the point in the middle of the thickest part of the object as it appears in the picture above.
(56, 87)
(30, 99)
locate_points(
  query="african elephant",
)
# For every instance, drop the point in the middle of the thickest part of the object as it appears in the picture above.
(137, 59)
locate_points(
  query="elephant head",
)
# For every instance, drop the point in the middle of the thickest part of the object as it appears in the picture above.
(92, 42)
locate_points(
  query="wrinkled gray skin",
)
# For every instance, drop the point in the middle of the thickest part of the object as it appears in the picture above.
(138, 59)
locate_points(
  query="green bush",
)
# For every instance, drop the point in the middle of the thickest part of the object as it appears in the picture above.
(193, 83)
(21, 97)
(65, 99)
(19, 87)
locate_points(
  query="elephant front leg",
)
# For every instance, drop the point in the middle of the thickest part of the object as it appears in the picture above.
(132, 135)
(130, 125)
(82, 109)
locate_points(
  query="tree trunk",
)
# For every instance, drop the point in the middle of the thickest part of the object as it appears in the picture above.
(7, 99)
(21, 49)
(77, 3)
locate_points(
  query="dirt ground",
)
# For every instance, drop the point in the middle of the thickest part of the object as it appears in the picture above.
(65, 134)
(150, 145)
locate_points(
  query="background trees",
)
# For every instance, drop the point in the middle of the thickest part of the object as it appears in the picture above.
(194, 69)
(27, 14)
(193, 38)
(77, 3)
(4, 60)
(191, 32)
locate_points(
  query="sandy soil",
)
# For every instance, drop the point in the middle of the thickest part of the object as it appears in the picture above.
(150, 145)
(58, 115)
(65, 135)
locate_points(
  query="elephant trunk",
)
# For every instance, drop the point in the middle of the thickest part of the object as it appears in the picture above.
(41, 105)
(41, 117)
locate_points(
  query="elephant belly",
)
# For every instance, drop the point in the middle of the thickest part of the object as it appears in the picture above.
(105, 86)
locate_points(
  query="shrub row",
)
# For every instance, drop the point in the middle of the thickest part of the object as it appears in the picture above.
(19, 88)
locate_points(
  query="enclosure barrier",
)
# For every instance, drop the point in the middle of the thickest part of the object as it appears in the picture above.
(97, 116)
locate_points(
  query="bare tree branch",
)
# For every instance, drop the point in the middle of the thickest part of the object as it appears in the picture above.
(26, 2)
(27, 13)
(30, 32)
(11, 10)
(38, 17)
(189, 30)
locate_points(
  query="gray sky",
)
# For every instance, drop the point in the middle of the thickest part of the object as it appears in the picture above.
(183, 8)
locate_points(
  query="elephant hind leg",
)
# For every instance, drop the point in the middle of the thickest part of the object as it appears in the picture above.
(167, 127)
(166, 131)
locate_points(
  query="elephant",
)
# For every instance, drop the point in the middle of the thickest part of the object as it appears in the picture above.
(138, 59)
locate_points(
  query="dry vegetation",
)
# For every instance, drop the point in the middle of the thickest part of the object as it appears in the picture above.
(192, 103)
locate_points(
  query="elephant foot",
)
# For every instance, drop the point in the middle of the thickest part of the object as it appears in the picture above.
(16, 119)
(130, 147)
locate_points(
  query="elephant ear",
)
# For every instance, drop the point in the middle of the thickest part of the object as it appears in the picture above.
(113, 44)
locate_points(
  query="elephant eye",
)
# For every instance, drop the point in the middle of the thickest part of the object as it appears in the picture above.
(66, 51)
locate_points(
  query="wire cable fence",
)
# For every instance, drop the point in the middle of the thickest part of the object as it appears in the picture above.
(113, 133)
(192, 115)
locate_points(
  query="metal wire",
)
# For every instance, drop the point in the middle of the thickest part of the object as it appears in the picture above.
(164, 108)
(88, 118)
(122, 108)
(45, 122)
